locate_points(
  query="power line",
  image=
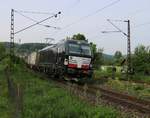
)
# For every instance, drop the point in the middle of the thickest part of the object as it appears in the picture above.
(140, 25)
(36, 20)
(55, 15)
(72, 6)
(91, 14)
(130, 15)
(136, 12)
(34, 12)
(116, 26)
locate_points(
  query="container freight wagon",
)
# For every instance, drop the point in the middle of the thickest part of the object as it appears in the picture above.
(31, 60)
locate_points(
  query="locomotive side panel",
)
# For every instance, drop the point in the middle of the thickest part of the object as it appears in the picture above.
(47, 59)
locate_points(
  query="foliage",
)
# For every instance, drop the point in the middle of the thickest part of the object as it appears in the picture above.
(99, 73)
(44, 99)
(98, 58)
(25, 47)
(141, 59)
(118, 57)
(97, 55)
(4, 105)
(139, 90)
(108, 59)
(93, 47)
(30, 47)
(141, 77)
(78, 37)
(2, 51)
(57, 103)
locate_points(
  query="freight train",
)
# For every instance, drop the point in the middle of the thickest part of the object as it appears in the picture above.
(68, 58)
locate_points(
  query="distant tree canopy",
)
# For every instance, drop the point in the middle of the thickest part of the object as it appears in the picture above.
(118, 58)
(30, 47)
(141, 59)
(98, 58)
(94, 48)
(97, 54)
(78, 37)
(108, 59)
(2, 51)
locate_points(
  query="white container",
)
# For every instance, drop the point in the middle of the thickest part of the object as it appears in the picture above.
(32, 58)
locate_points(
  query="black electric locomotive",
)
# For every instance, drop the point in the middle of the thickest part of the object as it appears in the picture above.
(70, 58)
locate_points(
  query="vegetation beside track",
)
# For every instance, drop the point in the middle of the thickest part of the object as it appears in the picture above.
(4, 105)
(130, 87)
(139, 77)
(141, 90)
(43, 99)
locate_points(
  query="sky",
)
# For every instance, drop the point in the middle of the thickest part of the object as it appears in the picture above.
(88, 17)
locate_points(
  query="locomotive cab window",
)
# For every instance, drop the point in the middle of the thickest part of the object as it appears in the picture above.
(74, 48)
(81, 49)
(86, 50)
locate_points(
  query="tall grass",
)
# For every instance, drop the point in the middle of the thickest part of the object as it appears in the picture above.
(43, 99)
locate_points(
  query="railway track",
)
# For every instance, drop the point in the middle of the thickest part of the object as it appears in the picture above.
(137, 82)
(127, 101)
(124, 100)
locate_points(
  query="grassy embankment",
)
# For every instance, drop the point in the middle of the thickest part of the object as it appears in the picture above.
(43, 99)
(139, 90)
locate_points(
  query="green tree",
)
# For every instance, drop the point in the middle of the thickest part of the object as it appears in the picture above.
(141, 59)
(78, 37)
(2, 51)
(93, 47)
(98, 58)
(117, 57)
(97, 55)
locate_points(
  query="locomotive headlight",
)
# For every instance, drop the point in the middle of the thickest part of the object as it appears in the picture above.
(66, 62)
(70, 57)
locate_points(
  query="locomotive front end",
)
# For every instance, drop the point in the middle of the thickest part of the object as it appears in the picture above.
(79, 59)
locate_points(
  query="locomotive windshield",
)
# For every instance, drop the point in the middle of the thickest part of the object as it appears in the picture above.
(86, 50)
(74, 48)
(79, 49)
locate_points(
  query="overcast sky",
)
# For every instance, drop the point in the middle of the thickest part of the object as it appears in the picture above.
(80, 16)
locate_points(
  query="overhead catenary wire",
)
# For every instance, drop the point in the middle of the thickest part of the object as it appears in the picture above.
(87, 16)
(142, 24)
(116, 26)
(72, 6)
(131, 15)
(35, 12)
(55, 15)
(93, 13)
(36, 21)
(119, 30)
